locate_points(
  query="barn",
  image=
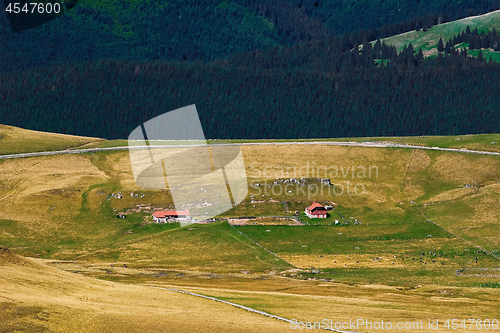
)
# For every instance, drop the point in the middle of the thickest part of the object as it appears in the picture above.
(316, 211)
(172, 216)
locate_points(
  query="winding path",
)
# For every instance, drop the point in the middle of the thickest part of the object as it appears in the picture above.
(349, 144)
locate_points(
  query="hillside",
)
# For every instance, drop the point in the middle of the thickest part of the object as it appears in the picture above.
(40, 298)
(72, 200)
(409, 232)
(428, 40)
(204, 30)
(244, 98)
(253, 79)
(56, 296)
(17, 140)
(420, 242)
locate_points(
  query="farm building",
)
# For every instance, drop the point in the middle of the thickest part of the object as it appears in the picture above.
(316, 211)
(172, 216)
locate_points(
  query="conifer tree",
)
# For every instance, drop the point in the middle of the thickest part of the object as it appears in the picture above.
(480, 56)
(440, 46)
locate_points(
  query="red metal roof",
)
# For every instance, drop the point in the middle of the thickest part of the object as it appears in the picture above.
(315, 205)
(163, 214)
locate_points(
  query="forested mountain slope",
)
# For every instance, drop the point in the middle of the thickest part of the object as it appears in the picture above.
(477, 33)
(192, 30)
(254, 70)
(452, 94)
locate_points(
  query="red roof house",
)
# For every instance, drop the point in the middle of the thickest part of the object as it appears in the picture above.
(171, 216)
(316, 211)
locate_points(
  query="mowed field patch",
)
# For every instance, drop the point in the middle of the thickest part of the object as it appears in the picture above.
(264, 221)
(340, 239)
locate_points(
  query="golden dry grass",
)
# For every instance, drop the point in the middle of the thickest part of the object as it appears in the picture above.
(44, 189)
(452, 195)
(420, 160)
(313, 301)
(42, 203)
(289, 161)
(29, 186)
(17, 140)
(317, 300)
(476, 219)
(469, 212)
(465, 169)
(43, 298)
(119, 163)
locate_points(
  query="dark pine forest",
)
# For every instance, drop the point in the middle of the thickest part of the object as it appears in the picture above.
(254, 69)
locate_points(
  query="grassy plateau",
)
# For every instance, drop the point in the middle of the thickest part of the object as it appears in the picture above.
(413, 235)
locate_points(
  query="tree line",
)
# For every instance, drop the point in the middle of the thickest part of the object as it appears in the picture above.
(473, 39)
(206, 30)
(450, 94)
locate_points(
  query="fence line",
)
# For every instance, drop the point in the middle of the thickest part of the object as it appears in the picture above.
(262, 247)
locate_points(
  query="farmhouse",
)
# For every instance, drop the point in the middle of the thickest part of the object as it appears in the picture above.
(172, 216)
(316, 211)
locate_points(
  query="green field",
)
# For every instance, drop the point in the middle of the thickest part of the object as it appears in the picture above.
(74, 200)
(63, 211)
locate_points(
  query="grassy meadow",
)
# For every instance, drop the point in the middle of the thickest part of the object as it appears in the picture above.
(428, 41)
(410, 230)
(74, 200)
(17, 140)
(40, 298)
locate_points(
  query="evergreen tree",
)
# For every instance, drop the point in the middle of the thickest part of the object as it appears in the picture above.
(486, 41)
(440, 46)
(420, 56)
(448, 47)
